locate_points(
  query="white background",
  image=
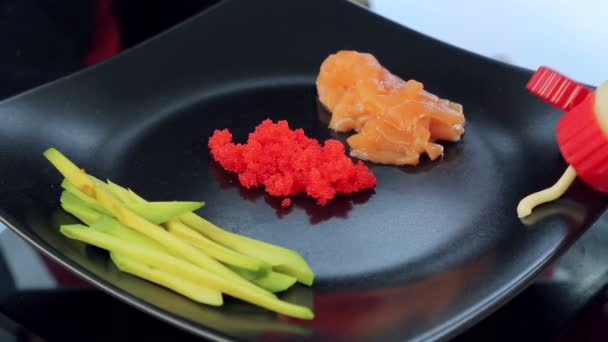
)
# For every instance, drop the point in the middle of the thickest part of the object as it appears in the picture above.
(570, 36)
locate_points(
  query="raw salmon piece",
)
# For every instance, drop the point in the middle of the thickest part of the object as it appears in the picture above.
(396, 121)
(447, 133)
(405, 115)
(341, 71)
(382, 142)
(434, 150)
(348, 114)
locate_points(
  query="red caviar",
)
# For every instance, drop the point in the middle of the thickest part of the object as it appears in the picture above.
(287, 163)
(286, 202)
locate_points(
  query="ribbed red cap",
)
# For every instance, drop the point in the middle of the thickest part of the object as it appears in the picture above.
(556, 89)
(584, 144)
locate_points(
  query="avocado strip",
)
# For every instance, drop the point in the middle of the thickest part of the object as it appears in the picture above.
(186, 288)
(155, 212)
(273, 281)
(183, 269)
(217, 251)
(172, 243)
(100, 192)
(282, 259)
(78, 208)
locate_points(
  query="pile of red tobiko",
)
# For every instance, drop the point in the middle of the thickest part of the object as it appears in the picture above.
(287, 162)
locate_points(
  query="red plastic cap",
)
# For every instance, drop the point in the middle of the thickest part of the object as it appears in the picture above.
(557, 89)
(584, 144)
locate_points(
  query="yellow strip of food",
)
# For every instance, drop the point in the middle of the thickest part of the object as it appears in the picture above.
(526, 205)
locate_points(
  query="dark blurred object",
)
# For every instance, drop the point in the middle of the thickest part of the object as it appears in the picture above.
(106, 38)
(140, 20)
(592, 323)
(62, 315)
(47, 39)
(41, 41)
(11, 331)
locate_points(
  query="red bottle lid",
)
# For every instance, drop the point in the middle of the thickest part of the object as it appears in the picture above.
(556, 89)
(584, 144)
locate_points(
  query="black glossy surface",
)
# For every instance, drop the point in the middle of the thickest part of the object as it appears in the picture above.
(566, 301)
(53, 43)
(431, 250)
(60, 34)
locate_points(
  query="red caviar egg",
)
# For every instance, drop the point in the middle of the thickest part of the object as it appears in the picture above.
(287, 162)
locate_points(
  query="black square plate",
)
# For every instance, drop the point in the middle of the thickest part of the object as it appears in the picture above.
(433, 249)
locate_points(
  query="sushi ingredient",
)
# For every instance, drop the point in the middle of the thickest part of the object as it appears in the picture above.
(121, 193)
(70, 171)
(395, 121)
(219, 252)
(186, 288)
(87, 199)
(275, 281)
(111, 226)
(146, 250)
(78, 208)
(159, 212)
(155, 212)
(282, 259)
(287, 162)
(171, 242)
(183, 269)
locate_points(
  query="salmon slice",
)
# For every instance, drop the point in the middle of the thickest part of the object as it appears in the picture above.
(348, 114)
(342, 71)
(395, 121)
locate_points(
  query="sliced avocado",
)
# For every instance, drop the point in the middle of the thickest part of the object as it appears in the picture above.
(112, 226)
(155, 212)
(94, 188)
(78, 208)
(135, 197)
(169, 241)
(160, 212)
(194, 291)
(184, 270)
(227, 256)
(121, 193)
(89, 201)
(282, 259)
(69, 170)
(273, 281)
